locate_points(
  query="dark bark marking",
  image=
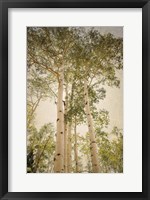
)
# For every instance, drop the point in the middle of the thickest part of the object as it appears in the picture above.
(61, 132)
(58, 154)
(54, 159)
(93, 142)
(57, 120)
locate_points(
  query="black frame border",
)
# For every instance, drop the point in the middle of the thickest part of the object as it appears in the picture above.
(4, 6)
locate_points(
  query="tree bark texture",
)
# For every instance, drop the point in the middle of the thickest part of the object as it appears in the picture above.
(59, 150)
(69, 148)
(65, 130)
(76, 149)
(93, 144)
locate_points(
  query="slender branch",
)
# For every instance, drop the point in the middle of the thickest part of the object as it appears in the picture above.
(45, 67)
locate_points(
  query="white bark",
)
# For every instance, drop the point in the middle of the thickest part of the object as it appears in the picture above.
(59, 151)
(93, 145)
(65, 131)
(69, 157)
(69, 145)
(76, 150)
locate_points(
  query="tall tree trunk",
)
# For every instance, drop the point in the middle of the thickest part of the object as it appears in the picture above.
(76, 148)
(69, 148)
(65, 129)
(93, 145)
(69, 145)
(59, 151)
(89, 163)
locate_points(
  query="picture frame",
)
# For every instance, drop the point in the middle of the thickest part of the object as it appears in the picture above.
(4, 97)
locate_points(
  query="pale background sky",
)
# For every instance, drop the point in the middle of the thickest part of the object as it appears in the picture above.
(46, 111)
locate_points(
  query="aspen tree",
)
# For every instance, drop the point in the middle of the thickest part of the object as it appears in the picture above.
(65, 129)
(70, 121)
(69, 149)
(76, 148)
(93, 145)
(59, 153)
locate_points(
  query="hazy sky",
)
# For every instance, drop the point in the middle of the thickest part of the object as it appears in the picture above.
(117, 31)
(46, 111)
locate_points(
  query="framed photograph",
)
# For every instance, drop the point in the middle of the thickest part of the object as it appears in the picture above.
(74, 99)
